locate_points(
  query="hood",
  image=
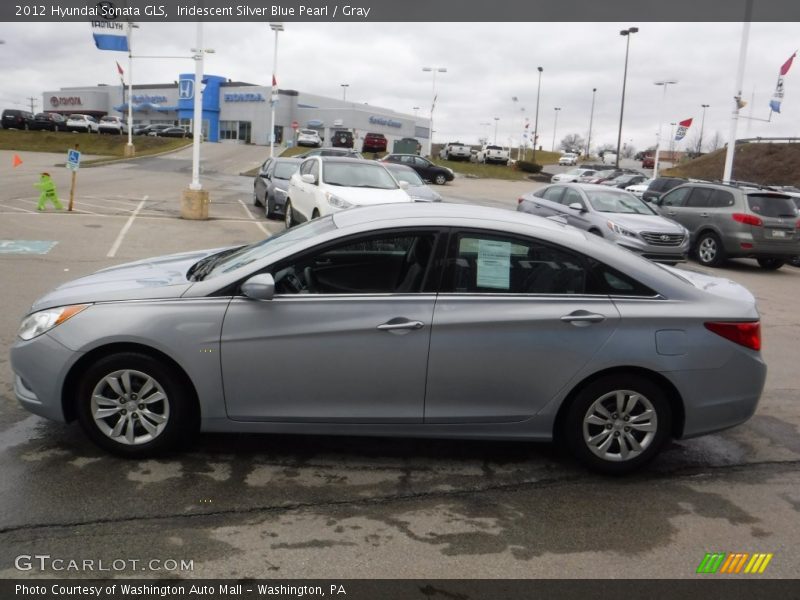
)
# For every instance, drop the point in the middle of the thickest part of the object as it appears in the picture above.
(718, 286)
(159, 277)
(369, 196)
(423, 193)
(638, 223)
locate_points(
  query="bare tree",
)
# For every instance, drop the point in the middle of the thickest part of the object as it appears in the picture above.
(628, 151)
(715, 142)
(602, 149)
(693, 145)
(572, 143)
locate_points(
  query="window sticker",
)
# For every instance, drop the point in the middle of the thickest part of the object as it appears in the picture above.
(494, 264)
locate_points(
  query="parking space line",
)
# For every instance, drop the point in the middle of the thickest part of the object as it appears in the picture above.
(16, 208)
(253, 219)
(82, 203)
(125, 228)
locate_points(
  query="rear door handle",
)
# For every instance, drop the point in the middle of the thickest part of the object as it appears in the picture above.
(582, 318)
(400, 323)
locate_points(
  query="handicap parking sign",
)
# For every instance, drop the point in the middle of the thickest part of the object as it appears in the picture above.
(73, 160)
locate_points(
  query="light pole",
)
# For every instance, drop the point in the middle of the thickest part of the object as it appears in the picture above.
(672, 142)
(627, 33)
(555, 126)
(536, 119)
(665, 83)
(433, 70)
(197, 110)
(276, 27)
(702, 126)
(496, 120)
(416, 110)
(591, 118)
(344, 87)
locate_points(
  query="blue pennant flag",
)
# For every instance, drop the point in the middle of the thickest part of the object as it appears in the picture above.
(110, 35)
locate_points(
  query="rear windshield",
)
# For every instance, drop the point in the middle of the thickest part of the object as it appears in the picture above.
(769, 205)
(493, 148)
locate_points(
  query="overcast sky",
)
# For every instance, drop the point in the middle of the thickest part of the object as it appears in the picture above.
(487, 64)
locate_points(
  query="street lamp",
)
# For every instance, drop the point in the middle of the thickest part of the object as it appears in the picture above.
(627, 33)
(433, 70)
(344, 87)
(555, 126)
(702, 126)
(536, 119)
(672, 142)
(665, 83)
(276, 27)
(591, 118)
(197, 110)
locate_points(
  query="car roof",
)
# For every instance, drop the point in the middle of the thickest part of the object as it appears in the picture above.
(346, 159)
(289, 159)
(398, 167)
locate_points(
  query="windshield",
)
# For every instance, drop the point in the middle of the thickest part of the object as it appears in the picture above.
(354, 174)
(285, 170)
(227, 261)
(618, 202)
(769, 205)
(408, 175)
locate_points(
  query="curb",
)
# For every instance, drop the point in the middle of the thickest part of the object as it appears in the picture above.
(111, 161)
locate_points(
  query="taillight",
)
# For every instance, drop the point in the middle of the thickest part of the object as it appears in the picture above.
(520, 199)
(745, 334)
(747, 219)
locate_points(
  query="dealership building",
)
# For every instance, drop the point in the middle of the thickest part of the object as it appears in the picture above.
(237, 111)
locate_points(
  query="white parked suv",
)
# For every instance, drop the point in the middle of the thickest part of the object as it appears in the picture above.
(84, 123)
(326, 184)
(572, 176)
(569, 159)
(112, 125)
(309, 137)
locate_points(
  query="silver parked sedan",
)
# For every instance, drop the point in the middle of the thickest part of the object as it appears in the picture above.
(614, 214)
(418, 319)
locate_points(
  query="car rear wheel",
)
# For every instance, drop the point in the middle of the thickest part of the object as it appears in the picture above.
(618, 423)
(709, 250)
(288, 215)
(770, 264)
(134, 405)
(440, 179)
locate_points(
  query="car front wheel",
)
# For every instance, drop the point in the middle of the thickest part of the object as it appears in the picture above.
(709, 250)
(288, 214)
(618, 423)
(770, 264)
(440, 179)
(134, 405)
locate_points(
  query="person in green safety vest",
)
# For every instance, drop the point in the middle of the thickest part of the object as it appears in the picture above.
(47, 192)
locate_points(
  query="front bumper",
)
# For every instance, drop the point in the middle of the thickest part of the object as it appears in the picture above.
(655, 253)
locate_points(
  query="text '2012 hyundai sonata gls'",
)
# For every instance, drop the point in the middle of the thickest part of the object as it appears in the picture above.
(413, 320)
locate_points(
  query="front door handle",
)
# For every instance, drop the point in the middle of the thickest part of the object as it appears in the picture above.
(400, 324)
(703, 214)
(582, 318)
(671, 213)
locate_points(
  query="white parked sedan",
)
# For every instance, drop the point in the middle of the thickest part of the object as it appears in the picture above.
(639, 188)
(569, 159)
(324, 184)
(572, 176)
(308, 137)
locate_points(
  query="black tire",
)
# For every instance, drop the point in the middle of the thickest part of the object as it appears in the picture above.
(269, 208)
(256, 201)
(709, 250)
(770, 264)
(288, 215)
(440, 179)
(178, 406)
(648, 392)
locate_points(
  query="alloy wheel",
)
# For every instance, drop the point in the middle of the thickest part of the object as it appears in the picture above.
(620, 425)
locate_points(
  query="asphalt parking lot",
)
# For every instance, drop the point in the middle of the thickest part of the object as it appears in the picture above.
(280, 506)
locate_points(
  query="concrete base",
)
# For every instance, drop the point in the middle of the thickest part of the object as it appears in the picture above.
(130, 150)
(194, 204)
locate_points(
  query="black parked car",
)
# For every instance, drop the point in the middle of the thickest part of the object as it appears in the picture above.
(426, 169)
(175, 132)
(16, 119)
(271, 183)
(49, 122)
(150, 129)
(660, 186)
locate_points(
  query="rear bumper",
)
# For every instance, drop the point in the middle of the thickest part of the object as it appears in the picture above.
(759, 248)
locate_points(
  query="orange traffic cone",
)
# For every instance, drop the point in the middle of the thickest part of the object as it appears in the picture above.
(16, 161)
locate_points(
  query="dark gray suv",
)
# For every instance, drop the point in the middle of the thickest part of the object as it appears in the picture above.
(728, 221)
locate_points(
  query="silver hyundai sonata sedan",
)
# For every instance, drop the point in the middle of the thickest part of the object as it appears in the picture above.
(432, 320)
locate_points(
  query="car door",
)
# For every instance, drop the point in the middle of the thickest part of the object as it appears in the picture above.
(425, 169)
(673, 205)
(513, 325)
(345, 338)
(548, 204)
(576, 218)
(694, 214)
(262, 181)
(302, 193)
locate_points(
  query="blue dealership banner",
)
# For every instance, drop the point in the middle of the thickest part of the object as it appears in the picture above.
(110, 35)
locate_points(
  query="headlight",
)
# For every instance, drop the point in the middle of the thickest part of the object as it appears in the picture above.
(43, 321)
(620, 230)
(337, 202)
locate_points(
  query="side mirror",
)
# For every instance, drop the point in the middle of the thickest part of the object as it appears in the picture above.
(403, 185)
(308, 178)
(576, 206)
(259, 287)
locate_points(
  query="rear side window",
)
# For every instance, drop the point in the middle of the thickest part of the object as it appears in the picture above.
(553, 193)
(769, 205)
(721, 199)
(700, 198)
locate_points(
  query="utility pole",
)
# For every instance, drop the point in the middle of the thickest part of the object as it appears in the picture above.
(32, 100)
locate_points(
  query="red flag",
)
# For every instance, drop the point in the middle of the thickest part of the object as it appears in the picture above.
(119, 70)
(686, 123)
(787, 65)
(16, 161)
(274, 81)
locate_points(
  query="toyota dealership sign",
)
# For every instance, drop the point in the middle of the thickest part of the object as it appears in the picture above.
(56, 101)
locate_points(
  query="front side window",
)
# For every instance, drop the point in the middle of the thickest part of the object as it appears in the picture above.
(389, 263)
(572, 197)
(553, 193)
(480, 263)
(618, 202)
